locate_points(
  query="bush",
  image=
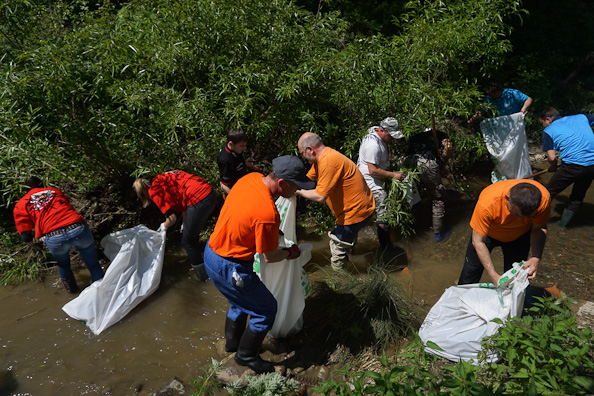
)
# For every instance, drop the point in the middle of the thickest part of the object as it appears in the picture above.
(542, 353)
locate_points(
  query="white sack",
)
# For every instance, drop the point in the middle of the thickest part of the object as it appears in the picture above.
(506, 141)
(463, 316)
(136, 256)
(286, 280)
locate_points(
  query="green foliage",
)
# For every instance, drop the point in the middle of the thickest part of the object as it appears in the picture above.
(18, 262)
(546, 351)
(270, 384)
(206, 384)
(372, 312)
(317, 217)
(399, 210)
(410, 373)
(101, 93)
(543, 354)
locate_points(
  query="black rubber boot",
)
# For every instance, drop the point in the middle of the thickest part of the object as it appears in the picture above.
(200, 271)
(70, 285)
(383, 235)
(233, 333)
(247, 352)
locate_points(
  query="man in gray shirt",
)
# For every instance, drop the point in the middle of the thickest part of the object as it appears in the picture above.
(374, 162)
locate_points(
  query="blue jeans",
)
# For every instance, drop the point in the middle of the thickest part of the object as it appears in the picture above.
(82, 239)
(196, 217)
(249, 296)
(348, 233)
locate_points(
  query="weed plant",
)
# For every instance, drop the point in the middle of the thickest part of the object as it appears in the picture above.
(20, 262)
(206, 384)
(399, 210)
(543, 353)
(371, 312)
(270, 384)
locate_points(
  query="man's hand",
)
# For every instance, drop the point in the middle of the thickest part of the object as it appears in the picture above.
(532, 265)
(399, 175)
(294, 252)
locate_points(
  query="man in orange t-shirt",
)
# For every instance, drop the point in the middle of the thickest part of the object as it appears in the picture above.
(249, 224)
(342, 186)
(512, 214)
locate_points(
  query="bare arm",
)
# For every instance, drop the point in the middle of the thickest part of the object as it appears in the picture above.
(225, 188)
(446, 150)
(281, 253)
(312, 195)
(527, 104)
(379, 172)
(478, 241)
(538, 237)
(170, 220)
(552, 158)
(252, 167)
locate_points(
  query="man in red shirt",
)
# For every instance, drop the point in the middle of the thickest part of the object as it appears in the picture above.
(48, 211)
(512, 214)
(249, 224)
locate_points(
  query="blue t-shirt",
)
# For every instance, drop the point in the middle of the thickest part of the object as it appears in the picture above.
(510, 102)
(572, 136)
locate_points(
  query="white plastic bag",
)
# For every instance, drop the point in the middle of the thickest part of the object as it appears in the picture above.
(286, 280)
(136, 256)
(463, 316)
(412, 195)
(506, 141)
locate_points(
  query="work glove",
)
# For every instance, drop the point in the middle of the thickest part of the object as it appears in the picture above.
(293, 252)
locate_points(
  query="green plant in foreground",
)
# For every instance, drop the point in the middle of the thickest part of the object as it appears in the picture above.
(270, 384)
(18, 262)
(206, 383)
(546, 352)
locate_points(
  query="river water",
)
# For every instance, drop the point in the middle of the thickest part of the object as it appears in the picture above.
(174, 331)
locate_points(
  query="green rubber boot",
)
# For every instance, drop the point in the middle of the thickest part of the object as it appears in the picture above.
(566, 218)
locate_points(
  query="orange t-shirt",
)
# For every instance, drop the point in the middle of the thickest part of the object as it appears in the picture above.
(339, 179)
(248, 223)
(492, 218)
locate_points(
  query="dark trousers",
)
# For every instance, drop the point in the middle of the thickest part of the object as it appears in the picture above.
(513, 252)
(580, 176)
(196, 217)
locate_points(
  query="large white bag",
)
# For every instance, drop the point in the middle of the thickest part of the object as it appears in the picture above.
(506, 141)
(286, 280)
(463, 316)
(136, 256)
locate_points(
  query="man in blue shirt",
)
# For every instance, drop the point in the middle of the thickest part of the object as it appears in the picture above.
(572, 137)
(507, 101)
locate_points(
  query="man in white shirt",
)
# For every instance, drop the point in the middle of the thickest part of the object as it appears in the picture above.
(374, 162)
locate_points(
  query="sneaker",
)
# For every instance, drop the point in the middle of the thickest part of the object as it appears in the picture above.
(441, 236)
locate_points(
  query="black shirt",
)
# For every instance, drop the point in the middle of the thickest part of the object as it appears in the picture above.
(422, 143)
(231, 166)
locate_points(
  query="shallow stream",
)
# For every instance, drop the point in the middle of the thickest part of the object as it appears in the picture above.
(174, 331)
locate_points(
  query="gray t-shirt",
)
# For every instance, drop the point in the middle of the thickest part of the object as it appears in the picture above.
(375, 151)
